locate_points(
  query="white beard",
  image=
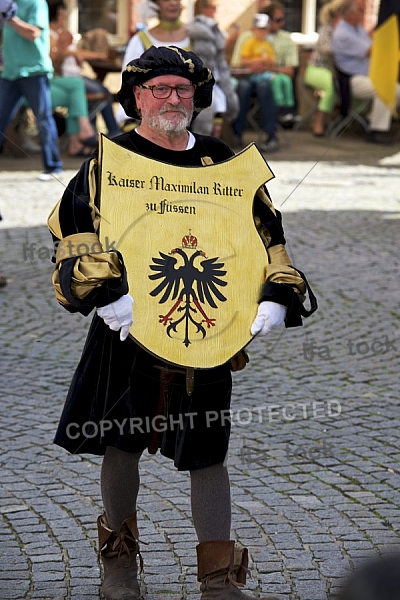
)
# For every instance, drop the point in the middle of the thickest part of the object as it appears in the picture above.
(177, 122)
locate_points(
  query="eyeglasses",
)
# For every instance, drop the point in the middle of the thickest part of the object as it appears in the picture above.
(162, 92)
(278, 19)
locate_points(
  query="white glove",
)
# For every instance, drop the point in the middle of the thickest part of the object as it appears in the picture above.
(118, 315)
(269, 315)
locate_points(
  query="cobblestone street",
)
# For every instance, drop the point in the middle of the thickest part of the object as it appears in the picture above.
(315, 446)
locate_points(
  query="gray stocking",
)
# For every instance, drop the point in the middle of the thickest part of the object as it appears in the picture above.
(211, 503)
(119, 485)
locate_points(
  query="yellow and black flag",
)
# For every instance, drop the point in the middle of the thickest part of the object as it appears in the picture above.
(385, 54)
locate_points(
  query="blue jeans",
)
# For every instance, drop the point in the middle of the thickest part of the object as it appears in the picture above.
(36, 91)
(262, 89)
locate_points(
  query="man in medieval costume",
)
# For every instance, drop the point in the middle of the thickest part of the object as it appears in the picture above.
(117, 378)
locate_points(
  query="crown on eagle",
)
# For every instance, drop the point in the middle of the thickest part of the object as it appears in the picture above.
(189, 241)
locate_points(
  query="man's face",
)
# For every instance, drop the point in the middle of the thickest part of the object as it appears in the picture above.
(168, 115)
(277, 20)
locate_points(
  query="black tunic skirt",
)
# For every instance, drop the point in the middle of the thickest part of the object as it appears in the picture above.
(124, 397)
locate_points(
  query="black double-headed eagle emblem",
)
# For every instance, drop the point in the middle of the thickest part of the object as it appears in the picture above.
(191, 280)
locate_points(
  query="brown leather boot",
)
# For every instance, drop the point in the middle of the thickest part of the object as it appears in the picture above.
(222, 570)
(118, 553)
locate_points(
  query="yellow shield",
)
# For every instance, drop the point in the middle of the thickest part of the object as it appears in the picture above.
(194, 259)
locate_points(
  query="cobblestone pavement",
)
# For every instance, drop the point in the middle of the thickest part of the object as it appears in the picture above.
(314, 458)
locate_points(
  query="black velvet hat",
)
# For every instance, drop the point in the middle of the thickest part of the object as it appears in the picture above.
(165, 60)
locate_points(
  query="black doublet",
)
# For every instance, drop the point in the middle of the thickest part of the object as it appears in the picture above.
(118, 382)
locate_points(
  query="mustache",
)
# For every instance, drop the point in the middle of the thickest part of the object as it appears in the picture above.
(180, 109)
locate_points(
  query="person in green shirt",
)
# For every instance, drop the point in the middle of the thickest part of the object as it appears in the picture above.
(27, 68)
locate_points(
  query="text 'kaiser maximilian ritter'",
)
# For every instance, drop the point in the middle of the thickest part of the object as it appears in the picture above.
(159, 184)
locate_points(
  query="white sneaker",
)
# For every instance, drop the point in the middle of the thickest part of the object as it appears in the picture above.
(286, 118)
(48, 176)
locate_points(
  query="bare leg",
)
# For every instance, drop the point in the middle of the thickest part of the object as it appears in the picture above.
(319, 123)
(85, 128)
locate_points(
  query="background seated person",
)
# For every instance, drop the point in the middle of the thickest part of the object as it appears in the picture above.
(351, 50)
(69, 92)
(258, 83)
(258, 56)
(319, 73)
(286, 52)
(68, 60)
(208, 43)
